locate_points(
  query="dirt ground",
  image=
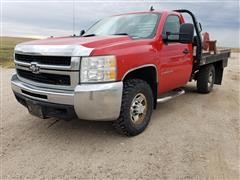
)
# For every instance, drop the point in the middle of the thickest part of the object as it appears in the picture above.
(191, 137)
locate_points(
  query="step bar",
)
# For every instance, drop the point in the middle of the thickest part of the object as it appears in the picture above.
(173, 94)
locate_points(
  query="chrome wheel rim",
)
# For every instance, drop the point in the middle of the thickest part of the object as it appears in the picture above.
(138, 108)
(210, 79)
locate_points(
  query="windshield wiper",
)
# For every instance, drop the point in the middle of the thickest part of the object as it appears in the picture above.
(89, 35)
(126, 34)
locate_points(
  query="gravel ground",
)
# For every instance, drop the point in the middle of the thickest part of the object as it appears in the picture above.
(191, 137)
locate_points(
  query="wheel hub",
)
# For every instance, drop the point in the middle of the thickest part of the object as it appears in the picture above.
(138, 108)
(210, 79)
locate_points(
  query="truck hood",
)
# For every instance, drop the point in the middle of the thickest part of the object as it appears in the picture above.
(70, 46)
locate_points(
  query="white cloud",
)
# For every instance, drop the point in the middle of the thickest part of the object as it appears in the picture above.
(26, 30)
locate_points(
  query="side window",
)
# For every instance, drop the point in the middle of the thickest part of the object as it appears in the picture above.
(172, 25)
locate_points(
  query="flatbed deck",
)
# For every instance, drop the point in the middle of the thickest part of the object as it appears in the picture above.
(221, 55)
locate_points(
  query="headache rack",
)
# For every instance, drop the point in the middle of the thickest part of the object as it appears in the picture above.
(202, 58)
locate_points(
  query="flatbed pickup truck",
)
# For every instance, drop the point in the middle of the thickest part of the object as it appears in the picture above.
(118, 70)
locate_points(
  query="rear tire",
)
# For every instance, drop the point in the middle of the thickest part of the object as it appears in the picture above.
(205, 79)
(136, 108)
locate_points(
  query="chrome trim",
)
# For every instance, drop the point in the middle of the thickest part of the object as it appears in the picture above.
(139, 67)
(90, 101)
(34, 68)
(178, 92)
(53, 50)
(75, 64)
(98, 101)
(74, 51)
(60, 97)
(74, 78)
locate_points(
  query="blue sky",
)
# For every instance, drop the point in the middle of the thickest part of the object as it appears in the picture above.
(45, 18)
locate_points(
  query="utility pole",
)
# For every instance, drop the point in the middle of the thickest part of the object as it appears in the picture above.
(73, 18)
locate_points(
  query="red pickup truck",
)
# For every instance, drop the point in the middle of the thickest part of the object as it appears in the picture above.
(118, 70)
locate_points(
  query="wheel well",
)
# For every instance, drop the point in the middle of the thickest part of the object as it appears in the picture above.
(218, 66)
(148, 74)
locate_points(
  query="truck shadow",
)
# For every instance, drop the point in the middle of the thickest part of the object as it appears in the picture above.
(78, 127)
(99, 128)
(74, 134)
(190, 88)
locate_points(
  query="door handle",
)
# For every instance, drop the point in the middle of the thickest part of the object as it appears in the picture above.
(186, 51)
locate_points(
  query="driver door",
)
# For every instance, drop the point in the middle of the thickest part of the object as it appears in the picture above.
(175, 58)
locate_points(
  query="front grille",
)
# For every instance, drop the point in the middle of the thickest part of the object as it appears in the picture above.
(48, 60)
(52, 79)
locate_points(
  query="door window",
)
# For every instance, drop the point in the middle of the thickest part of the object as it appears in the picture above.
(172, 25)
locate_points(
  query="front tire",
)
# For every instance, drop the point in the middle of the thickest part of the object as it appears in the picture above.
(205, 79)
(136, 108)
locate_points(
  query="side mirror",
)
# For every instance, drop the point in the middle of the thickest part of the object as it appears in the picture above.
(166, 39)
(186, 33)
(82, 32)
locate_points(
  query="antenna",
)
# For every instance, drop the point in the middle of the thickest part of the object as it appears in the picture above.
(73, 20)
(151, 8)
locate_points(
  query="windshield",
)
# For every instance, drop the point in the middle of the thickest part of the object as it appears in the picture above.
(134, 25)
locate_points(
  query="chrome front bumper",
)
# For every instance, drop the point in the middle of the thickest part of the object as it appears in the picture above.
(90, 101)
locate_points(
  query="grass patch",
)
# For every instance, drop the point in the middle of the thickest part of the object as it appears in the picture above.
(8, 44)
(7, 48)
(235, 50)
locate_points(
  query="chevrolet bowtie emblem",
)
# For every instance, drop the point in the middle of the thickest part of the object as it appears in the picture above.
(34, 68)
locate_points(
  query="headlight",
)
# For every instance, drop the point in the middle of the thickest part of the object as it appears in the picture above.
(98, 69)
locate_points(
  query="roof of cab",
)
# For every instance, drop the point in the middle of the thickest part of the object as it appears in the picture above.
(155, 11)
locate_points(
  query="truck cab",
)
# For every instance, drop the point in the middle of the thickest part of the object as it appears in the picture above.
(117, 71)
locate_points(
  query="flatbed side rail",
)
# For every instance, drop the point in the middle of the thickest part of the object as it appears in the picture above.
(208, 58)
